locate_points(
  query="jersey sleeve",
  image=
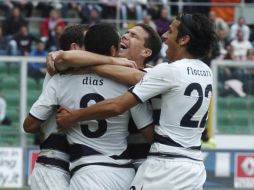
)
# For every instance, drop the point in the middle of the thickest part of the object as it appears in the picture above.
(46, 104)
(46, 80)
(157, 81)
(142, 115)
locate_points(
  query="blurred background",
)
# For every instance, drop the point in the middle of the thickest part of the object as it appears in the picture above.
(30, 29)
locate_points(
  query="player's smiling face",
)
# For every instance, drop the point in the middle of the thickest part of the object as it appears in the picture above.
(170, 39)
(132, 43)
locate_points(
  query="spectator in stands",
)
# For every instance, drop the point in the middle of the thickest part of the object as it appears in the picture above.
(134, 7)
(6, 6)
(4, 41)
(24, 5)
(148, 20)
(48, 25)
(89, 13)
(163, 21)
(153, 8)
(108, 8)
(22, 41)
(37, 70)
(12, 23)
(52, 43)
(223, 42)
(240, 25)
(44, 8)
(4, 120)
(240, 45)
(219, 23)
(250, 54)
(94, 17)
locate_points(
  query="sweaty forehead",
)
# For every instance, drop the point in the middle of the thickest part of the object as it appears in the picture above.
(139, 31)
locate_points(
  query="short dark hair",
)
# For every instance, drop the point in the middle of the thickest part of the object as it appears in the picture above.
(203, 37)
(153, 41)
(72, 34)
(101, 37)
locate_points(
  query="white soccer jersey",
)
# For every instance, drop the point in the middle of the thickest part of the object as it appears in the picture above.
(185, 87)
(96, 140)
(49, 125)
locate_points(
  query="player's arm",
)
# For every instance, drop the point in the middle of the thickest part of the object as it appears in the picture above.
(43, 107)
(148, 133)
(155, 83)
(64, 60)
(101, 110)
(32, 124)
(124, 75)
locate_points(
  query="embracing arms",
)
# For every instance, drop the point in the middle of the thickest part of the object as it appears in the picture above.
(63, 60)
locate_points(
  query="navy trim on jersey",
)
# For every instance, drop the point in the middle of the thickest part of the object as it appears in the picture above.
(79, 150)
(156, 116)
(168, 141)
(143, 70)
(56, 141)
(124, 155)
(36, 117)
(171, 156)
(75, 169)
(131, 91)
(53, 162)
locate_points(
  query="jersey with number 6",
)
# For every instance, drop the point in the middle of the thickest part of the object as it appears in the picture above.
(95, 141)
(185, 87)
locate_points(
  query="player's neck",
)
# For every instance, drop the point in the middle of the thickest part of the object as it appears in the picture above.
(140, 64)
(184, 55)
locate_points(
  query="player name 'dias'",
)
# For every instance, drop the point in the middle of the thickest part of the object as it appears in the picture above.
(198, 72)
(92, 81)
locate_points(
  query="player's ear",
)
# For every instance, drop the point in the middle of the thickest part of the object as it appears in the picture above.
(184, 40)
(146, 52)
(74, 46)
(113, 51)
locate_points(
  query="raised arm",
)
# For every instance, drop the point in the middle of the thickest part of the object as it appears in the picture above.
(124, 75)
(63, 60)
(101, 110)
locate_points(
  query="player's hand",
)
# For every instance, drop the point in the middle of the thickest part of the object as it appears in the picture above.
(64, 118)
(50, 63)
(124, 62)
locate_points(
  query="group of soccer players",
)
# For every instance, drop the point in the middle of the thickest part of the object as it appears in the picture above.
(87, 148)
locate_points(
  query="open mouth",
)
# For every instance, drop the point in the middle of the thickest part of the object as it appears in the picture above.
(123, 46)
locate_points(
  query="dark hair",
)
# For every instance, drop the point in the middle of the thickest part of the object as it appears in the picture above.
(100, 38)
(203, 37)
(153, 41)
(72, 34)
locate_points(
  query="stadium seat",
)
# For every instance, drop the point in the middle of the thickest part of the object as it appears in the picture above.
(13, 114)
(9, 136)
(10, 82)
(31, 84)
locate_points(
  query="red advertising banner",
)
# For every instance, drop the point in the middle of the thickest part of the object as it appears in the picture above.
(244, 170)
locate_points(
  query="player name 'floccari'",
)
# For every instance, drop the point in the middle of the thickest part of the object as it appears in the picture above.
(198, 72)
(91, 81)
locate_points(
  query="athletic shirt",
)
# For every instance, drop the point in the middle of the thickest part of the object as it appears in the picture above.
(54, 150)
(94, 141)
(185, 87)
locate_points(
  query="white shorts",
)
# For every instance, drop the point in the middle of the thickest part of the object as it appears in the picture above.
(102, 178)
(169, 174)
(45, 177)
